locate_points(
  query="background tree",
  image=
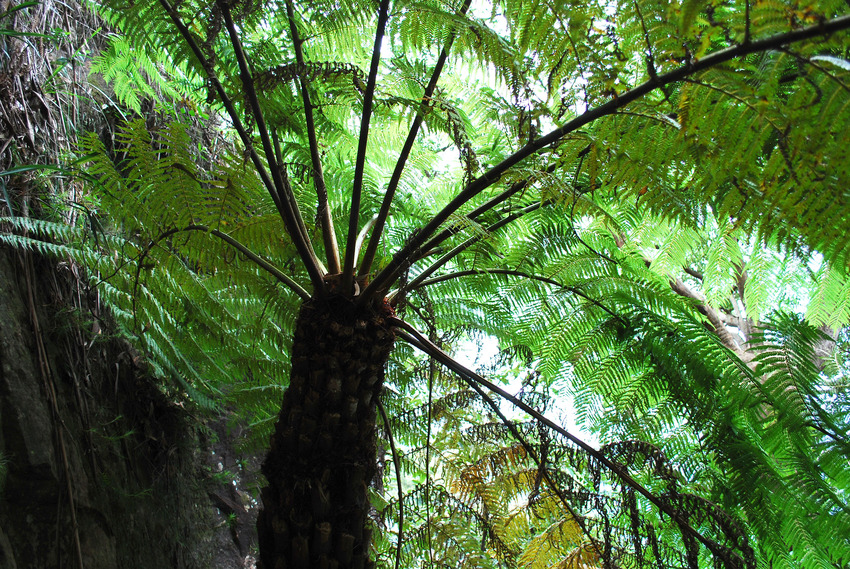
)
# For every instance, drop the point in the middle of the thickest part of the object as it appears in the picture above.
(607, 189)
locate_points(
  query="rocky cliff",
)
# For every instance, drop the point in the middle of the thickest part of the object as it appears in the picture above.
(97, 468)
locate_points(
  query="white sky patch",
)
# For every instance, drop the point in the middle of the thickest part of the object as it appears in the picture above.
(483, 353)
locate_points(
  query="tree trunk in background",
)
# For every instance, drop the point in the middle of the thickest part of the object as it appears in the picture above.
(323, 450)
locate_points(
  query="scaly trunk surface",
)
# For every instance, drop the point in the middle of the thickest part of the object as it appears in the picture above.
(323, 450)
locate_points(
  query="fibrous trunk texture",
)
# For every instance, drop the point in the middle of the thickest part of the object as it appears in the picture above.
(323, 451)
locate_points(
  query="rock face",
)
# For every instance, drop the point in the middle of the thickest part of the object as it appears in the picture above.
(98, 469)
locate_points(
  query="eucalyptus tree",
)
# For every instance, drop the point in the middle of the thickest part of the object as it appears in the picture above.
(401, 169)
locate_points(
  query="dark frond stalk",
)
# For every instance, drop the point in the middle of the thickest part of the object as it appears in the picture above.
(302, 244)
(573, 225)
(727, 93)
(256, 259)
(356, 192)
(421, 342)
(392, 186)
(406, 254)
(361, 237)
(807, 61)
(833, 432)
(650, 56)
(428, 466)
(514, 189)
(541, 467)
(521, 274)
(328, 232)
(284, 190)
(290, 195)
(259, 261)
(415, 283)
(399, 488)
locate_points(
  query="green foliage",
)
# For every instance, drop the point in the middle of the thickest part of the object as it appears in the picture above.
(135, 75)
(146, 238)
(648, 258)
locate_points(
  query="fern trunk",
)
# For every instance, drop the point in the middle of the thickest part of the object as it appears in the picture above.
(323, 451)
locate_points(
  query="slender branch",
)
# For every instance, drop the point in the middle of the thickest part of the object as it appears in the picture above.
(361, 237)
(514, 188)
(397, 481)
(471, 241)
(693, 272)
(424, 107)
(521, 274)
(421, 342)
(357, 190)
(541, 468)
(713, 316)
(573, 211)
(566, 27)
(663, 119)
(835, 431)
(761, 114)
(285, 193)
(808, 61)
(476, 238)
(650, 57)
(431, 373)
(259, 261)
(402, 258)
(290, 195)
(422, 278)
(324, 209)
(303, 247)
(248, 87)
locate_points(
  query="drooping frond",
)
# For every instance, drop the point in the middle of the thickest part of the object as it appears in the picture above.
(156, 259)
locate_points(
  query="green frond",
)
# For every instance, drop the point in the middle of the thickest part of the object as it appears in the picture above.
(830, 304)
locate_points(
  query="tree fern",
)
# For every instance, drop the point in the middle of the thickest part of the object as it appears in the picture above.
(606, 204)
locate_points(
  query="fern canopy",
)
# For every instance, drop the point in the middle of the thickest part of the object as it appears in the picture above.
(643, 205)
